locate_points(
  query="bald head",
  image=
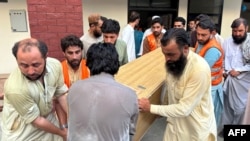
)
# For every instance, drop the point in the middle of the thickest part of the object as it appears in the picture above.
(25, 45)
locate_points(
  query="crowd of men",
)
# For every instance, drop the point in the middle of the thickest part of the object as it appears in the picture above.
(79, 99)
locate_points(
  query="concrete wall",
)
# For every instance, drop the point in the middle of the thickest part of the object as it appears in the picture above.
(183, 9)
(114, 9)
(231, 11)
(8, 38)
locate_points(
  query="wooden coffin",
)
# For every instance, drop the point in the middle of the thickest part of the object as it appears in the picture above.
(146, 76)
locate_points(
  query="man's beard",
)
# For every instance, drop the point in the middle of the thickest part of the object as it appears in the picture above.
(74, 63)
(156, 34)
(37, 76)
(176, 68)
(34, 79)
(97, 34)
(203, 43)
(239, 40)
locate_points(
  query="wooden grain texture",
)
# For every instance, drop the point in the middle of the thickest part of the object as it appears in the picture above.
(146, 76)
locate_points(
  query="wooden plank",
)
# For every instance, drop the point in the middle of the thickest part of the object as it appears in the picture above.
(146, 76)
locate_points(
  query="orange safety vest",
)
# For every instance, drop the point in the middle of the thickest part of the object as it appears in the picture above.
(216, 70)
(151, 42)
(85, 71)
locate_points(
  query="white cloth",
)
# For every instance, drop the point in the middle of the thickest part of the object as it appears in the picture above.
(146, 33)
(189, 108)
(128, 37)
(219, 39)
(87, 41)
(235, 88)
(233, 57)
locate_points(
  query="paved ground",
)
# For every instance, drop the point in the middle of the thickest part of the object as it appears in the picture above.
(156, 131)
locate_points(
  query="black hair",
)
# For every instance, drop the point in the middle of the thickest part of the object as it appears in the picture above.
(103, 18)
(102, 57)
(157, 20)
(110, 26)
(206, 24)
(177, 34)
(70, 40)
(200, 17)
(180, 19)
(133, 16)
(237, 22)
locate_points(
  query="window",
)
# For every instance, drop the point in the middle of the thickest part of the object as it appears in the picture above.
(167, 9)
(245, 11)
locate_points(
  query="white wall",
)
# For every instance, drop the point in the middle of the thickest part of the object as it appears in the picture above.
(8, 38)
(231, 11)
(183, 8)
(114, 9)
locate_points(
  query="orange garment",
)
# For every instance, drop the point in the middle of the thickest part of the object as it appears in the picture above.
(151, 42)
(85, 71)
(216, 70)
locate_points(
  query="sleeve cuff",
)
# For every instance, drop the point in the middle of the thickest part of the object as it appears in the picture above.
(154, 109)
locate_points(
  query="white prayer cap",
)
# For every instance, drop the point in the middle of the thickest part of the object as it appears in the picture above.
(156, 16)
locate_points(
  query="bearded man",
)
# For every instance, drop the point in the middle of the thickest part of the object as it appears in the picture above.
(189, 105)
(74, 68)
(152, 41)
(237, 67)
(94, 34)
(212, 52)
(111, 29)
(29, 91)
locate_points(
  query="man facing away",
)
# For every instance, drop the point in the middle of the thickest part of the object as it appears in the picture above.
(189, 108)
(152, 41)
(94, 34)
(237, 76)
(29, 92)
(110, 31)
(128, 34)
(101, 109)
(212, 52)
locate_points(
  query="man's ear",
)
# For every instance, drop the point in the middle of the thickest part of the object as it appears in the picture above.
(213, 32)
(64, 54)
(246, 28)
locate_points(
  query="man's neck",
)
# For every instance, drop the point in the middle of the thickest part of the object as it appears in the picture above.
(91, 33)
(132, 24)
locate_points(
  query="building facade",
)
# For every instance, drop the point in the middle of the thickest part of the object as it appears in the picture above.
(50, 20)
